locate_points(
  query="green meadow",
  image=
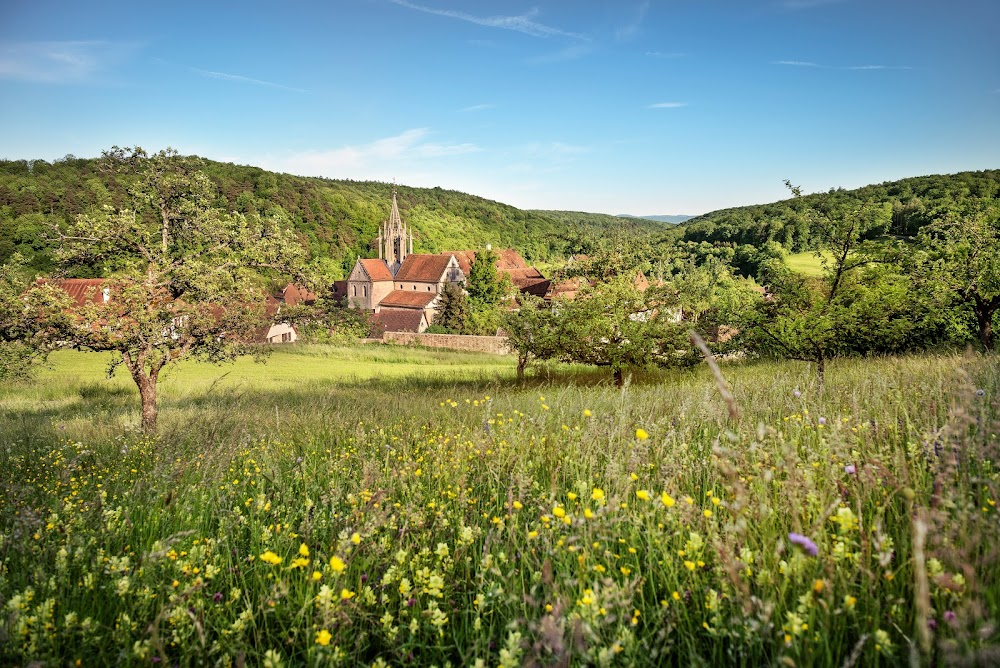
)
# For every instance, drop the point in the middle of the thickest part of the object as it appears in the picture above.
(806, 263)
(376, 505)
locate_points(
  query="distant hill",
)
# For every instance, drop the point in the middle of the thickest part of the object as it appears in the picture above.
(673, 220)
(336, 219)
(914, 202)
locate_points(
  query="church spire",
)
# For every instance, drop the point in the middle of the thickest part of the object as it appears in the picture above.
(393, 238)
(395, 222)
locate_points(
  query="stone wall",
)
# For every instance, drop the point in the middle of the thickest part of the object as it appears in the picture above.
(496, 345)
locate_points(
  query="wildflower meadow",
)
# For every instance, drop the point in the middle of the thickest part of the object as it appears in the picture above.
(425, 508)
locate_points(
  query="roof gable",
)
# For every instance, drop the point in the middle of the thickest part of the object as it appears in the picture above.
(376, 270)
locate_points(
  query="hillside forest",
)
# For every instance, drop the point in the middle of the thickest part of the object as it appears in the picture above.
(902, 266)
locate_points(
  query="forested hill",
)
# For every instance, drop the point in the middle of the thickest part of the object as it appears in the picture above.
(914, 201)
(337, 220)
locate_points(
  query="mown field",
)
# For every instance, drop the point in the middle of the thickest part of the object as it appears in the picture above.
(383, 506)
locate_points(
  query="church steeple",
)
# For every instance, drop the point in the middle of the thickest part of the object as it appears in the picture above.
(393, 247)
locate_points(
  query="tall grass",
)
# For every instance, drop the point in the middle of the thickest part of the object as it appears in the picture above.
(460, 517)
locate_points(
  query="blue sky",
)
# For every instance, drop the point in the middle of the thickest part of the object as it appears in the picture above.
(646, 107)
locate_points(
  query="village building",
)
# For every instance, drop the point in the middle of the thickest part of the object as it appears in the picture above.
(84, 291)
(402, 289)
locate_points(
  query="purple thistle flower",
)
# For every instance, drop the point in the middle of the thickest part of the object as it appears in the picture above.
(807, 545)
(949, 616)
(217, 597)
(850, 469)
(796, 394)
(822, 420)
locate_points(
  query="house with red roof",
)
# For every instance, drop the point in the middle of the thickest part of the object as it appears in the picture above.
(400, 285)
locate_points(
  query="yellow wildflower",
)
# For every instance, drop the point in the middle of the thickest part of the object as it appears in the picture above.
(559, 511)
(271, 558)
(667, 500)
(597, 494)
(356, 538)
(346, 594)
(337, 564)
(323, 638)
(518, 505)
(643, 495)
(641, 434)
(304, 550)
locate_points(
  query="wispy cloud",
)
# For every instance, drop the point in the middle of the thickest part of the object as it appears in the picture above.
(373, 159)
(664, 54)
(667, 105)
(476, 107)
(524, 23)
(878, 67)
(60, 62)
(241, 79)
(795, 63)
(631, 29)
(805, 63)
(573, 52)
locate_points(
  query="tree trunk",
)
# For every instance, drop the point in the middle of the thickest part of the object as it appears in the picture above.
(619, 378)
(147, 392)
(821, 370)
(147, 387)
(985, 319)
(522, 362)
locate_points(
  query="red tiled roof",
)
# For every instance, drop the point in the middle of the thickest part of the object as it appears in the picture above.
(377, 270)
(521, 274)
(465, 259)
(293, 294)
(508, 261)
(408, 299)
(533, 286)
(397, 320)
(82, 290)
(423, 268)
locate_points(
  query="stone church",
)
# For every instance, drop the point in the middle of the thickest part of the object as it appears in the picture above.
(402, 288)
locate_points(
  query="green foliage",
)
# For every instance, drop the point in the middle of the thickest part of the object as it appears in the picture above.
(912, 203)
(32, 321)
(452, 310)
(811, 320)
(963, 259)
(336, 220)
(183, 277)
(532, 332)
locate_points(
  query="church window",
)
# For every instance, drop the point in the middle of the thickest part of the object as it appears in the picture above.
(355, 291)
(365, 289)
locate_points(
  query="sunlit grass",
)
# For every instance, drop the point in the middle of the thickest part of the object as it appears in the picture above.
(377, 512)
(807, 263)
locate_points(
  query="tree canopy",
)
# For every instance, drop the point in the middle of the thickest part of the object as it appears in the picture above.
(183, 277)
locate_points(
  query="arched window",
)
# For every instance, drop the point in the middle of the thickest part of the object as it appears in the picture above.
(365, 288)
(355, 290)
